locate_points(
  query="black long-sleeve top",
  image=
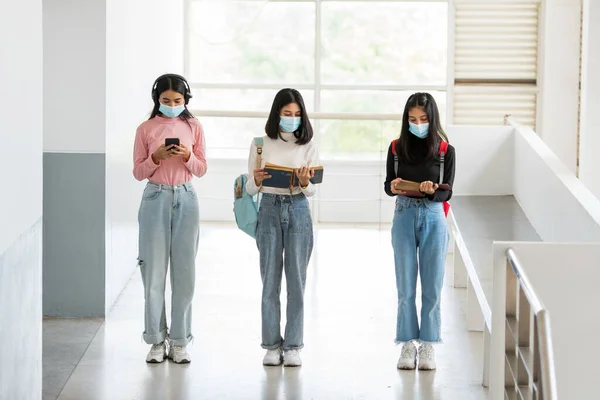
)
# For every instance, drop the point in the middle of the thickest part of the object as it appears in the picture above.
(421, 171)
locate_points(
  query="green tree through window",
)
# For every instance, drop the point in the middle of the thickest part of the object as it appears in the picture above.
(238, 47)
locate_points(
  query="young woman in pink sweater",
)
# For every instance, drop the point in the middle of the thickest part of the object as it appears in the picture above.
(169, 150)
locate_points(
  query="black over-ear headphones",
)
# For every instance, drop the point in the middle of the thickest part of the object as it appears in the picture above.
(186, 96)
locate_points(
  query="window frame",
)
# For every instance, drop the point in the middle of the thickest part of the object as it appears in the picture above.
(317, 86)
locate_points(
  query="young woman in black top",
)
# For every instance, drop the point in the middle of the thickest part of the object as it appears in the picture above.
(419, 230)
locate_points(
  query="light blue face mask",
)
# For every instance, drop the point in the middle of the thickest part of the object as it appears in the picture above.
(290, 124)
(171, 112)
(419, 131)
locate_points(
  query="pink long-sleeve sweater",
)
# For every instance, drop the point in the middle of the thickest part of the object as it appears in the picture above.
(151, 135)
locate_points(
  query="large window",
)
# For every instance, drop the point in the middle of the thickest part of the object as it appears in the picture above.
(355, 62)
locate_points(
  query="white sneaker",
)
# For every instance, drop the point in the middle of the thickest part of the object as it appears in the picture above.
(273, 357)
(408, 356)
(426, 357)
(179, 355)
(157, 353)
(291, 358)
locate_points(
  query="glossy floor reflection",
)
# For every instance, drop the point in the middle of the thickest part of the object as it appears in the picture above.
(349, 331)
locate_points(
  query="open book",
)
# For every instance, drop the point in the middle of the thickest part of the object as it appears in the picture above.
(284, 177)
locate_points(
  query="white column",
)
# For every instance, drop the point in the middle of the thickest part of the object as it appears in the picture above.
(589, 167)
(558, 78)
(74, 157)
(100, 60)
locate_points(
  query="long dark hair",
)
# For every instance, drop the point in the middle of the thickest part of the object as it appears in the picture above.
(436, 133)
(304, 134)
(175, 83)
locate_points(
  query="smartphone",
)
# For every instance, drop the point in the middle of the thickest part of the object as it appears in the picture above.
(171, 142)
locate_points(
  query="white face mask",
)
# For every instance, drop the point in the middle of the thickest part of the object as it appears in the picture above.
(171, 112)
(420, 130)
(289, 124)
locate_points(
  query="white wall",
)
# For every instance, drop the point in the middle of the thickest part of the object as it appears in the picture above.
(570, 297)
(21, 127)
(558, 77)
(74, 78)
(557, 204)
(101, 59)
(74, 161)
(144, 39)
(484, 159)
(21, 200)
(589, 147)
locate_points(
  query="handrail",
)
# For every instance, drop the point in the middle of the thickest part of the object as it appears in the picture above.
(323, 86)
(314, 115)
(532, 297)
(540, 376)
(581, 193)
(510, 121)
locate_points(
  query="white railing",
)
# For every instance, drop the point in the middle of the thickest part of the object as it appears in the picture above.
(529, 363)
(312, 115)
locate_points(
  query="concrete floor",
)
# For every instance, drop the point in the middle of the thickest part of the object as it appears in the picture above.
(65, 341)
(349, 331)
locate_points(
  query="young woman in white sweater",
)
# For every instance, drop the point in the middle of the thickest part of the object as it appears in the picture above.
(284, 224)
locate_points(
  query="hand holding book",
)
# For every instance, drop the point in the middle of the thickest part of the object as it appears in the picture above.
(259, 176)
(415, 189)
(284, 177)
(304, 175)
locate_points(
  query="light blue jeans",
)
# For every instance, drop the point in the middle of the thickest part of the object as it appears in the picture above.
(284, 226)
(169, 223)
(420, 242)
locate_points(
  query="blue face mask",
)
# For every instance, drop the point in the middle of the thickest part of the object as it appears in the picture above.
(290, 124)
(419, 131)
(171, 112)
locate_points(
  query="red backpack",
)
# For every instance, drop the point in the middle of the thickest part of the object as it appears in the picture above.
(442, 152)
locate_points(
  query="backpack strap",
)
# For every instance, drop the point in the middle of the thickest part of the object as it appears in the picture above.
(239, 187)
(442, 152)
(394, 143)
(240, 182)
(259, 149)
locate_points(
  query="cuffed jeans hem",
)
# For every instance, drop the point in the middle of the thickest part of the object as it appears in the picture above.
(286, 348)
(440, 341)
(181, 342)
(398, 341)
(272, 347)
(420, 341)
(156, 338)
